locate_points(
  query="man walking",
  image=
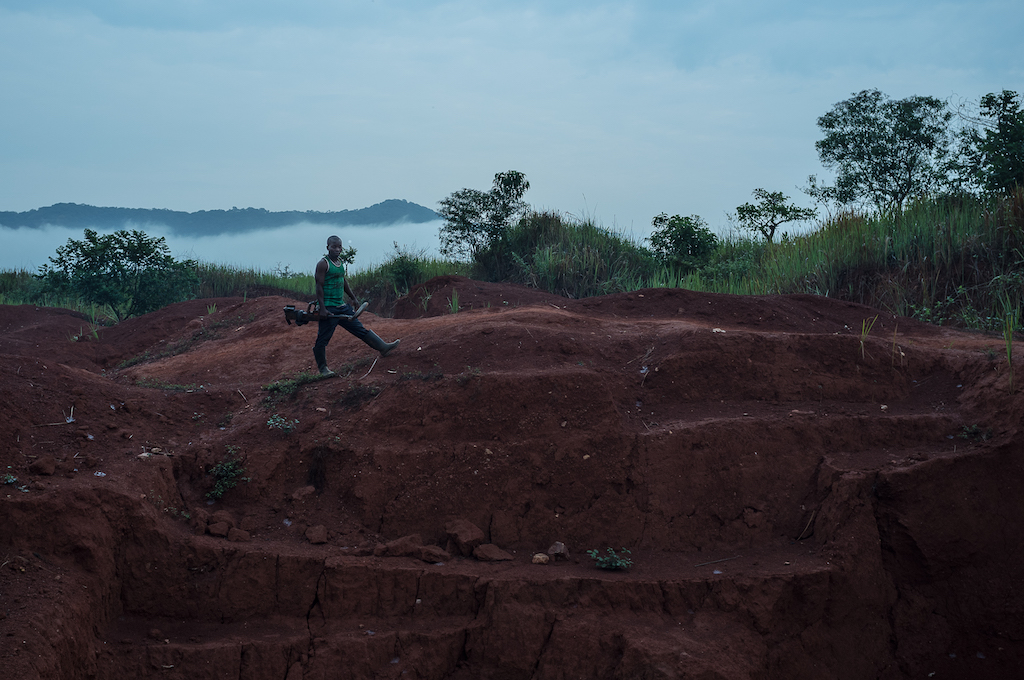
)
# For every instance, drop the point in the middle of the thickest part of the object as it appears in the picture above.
(331, 287)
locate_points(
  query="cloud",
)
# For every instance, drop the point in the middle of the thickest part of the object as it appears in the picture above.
(623, 110)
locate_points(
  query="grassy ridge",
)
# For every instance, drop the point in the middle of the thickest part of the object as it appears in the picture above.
(943, 261)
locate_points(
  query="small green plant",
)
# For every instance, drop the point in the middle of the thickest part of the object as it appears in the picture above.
(211, 309)
(453, 302)
(865, 329)
(425, 299)
(10, 479)
(976, 433)
(197, 416)
(227, 474)
(226, 420)
(612, 560)
(279, 422)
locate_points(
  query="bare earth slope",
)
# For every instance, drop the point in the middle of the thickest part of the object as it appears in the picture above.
(801, 499)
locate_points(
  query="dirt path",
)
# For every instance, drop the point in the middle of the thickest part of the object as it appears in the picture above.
(800, 499)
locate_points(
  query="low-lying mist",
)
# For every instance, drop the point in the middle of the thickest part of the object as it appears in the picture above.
(297, 247)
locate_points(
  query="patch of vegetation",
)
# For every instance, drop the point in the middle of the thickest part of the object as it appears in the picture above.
(976, 433)
(157, 384)
(286, 387)
(419, 375)
(159, 503)
(357, 395)
(227, 474)
(279, 422)
(226, 420)
(611, 560)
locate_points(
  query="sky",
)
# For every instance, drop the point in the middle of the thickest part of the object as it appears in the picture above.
(614, 111)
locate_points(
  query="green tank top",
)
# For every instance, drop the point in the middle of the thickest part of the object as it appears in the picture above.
(334, 285)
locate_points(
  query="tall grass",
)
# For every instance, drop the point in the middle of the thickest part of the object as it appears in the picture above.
(569, 257)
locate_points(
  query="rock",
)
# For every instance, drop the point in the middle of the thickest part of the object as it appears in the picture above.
(201, 516)
(362, 550)
(225, 517)
(463, 536)
(317, 534)
(433, 554)
(44, 465)
(238, 535)
(488, 552)
(301, 494)
(541, 558)
(407, 546)
(558, 551)
(220, 529)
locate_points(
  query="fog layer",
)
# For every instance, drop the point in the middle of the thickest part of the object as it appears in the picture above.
(297, 247)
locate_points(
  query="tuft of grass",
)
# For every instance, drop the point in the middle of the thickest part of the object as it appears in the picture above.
(865, 329)
(453, 302)
(357, 395)
(157, 384)
(286, 387)
(1011, 320)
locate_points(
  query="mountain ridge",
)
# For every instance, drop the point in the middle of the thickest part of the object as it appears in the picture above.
(206, 222)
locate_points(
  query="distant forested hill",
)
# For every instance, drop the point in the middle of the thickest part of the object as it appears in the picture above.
(206, 222)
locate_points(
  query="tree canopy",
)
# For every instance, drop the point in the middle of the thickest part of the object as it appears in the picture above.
(771, 210)
(130, 271)
(474, 220)
(682, 242)
(883, 151)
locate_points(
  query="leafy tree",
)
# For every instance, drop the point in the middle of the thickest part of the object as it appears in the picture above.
(883, 150)
(130, 271)
(682, 242)
(995, 154)
(474, 220)
(769, 212)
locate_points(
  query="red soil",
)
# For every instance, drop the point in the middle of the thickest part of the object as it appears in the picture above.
(800, 502)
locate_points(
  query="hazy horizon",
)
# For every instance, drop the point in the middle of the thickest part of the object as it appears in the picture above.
(297, 246)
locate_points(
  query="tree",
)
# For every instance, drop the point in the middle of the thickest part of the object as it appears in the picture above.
(682, 242)
(770, 211)
(883, 150)
(474, 220)
(130, 271)
(996, 152)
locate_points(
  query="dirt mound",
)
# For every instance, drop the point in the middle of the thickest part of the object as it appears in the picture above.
(801, 496)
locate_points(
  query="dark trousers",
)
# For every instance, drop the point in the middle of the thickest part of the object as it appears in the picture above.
(327, 326)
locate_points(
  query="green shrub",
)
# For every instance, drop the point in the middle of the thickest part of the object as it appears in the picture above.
(612, 560)
(129, 271)
(227, 474)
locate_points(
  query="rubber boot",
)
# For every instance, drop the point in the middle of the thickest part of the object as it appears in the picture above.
(374, 341)
(320, 354)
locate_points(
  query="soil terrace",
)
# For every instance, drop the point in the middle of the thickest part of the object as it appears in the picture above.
(801, 498)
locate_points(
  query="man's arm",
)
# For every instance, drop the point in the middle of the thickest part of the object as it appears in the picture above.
(318, 276)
